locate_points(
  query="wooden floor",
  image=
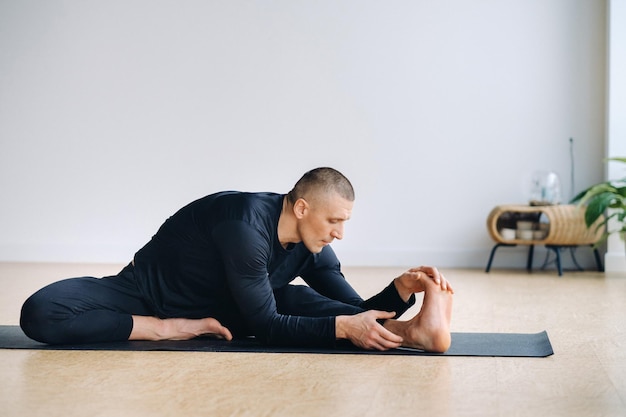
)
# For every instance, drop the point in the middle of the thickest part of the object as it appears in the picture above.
(584, 314)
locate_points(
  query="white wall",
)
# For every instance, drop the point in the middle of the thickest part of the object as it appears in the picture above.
(114, 114)
(616, 144)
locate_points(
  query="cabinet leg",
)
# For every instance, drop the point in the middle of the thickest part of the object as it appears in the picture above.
(493, 252)
(529, 261)
(557, 252)
(598, 260)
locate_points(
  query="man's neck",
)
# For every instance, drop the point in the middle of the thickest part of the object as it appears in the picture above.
(287, 231)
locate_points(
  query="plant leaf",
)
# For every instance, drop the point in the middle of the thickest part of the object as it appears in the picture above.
(579, 196)
(596, 191)
(597, 206)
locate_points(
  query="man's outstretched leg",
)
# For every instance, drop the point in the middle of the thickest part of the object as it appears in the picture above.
(430, 329)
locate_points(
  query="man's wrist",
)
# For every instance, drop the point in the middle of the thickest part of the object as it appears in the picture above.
(340, 328)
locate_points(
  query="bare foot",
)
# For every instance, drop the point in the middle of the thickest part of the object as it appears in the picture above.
(430, 329)
(185, 329)
(153, 328)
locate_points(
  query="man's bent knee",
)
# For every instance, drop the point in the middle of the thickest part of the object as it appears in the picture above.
(35, 319)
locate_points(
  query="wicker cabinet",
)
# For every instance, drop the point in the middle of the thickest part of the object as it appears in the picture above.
(555, 227)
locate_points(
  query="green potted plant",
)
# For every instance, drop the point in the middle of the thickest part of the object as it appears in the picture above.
(606, 197)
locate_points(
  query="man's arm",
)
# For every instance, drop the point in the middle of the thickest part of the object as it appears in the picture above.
(324, 276)
(245, 253)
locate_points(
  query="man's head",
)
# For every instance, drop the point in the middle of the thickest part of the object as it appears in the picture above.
(319, 182)
(322, 202)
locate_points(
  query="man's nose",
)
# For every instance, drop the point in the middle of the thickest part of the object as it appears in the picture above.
(337, 233)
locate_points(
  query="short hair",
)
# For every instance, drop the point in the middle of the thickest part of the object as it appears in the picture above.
(322, 180)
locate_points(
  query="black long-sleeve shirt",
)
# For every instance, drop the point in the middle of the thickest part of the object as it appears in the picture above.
(220, 257)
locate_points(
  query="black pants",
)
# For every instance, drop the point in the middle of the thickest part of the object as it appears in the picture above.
(90, 310)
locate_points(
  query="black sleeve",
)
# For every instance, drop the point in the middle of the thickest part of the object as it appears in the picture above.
(246, 252)
(326, 278)
(389, 300)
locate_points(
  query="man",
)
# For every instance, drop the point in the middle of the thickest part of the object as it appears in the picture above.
(222, 266)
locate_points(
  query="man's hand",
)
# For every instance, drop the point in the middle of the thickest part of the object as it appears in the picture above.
(412, 282)
(365, 332)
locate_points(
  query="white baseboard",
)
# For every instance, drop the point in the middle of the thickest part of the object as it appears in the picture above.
(505, 257)
(615, 262)
(59, 253)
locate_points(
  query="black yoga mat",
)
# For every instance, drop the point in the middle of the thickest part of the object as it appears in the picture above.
(463, 344)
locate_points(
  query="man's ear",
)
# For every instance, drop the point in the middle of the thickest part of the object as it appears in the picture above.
(300, 207)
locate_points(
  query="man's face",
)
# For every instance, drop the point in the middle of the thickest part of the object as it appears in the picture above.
(322, 221)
